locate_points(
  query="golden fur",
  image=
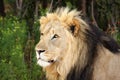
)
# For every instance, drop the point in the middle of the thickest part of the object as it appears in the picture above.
(68, 46)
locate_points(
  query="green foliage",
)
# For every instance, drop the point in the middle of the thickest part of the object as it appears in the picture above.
(108, 10)
(12, 37)
(12, 41)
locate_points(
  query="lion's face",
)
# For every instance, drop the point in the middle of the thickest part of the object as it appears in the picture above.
(53, 44)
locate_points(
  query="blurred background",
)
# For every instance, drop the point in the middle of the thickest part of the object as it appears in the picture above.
(19, 31)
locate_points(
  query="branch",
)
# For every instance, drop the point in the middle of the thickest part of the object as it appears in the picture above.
(19, 4)
(113, 21)
(84, 7)
(50, 9)
(53, 6)
(56, 4)
(37, 8)
(92, 13)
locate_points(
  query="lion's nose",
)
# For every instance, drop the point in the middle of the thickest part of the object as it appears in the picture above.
(40, 51)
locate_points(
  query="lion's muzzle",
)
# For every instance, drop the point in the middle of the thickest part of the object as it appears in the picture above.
(42, 60)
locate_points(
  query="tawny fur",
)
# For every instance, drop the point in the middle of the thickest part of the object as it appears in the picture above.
(104, 64)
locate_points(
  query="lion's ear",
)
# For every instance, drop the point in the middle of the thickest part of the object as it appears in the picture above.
(74, 27)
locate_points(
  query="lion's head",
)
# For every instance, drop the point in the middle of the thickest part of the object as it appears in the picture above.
(55, 43)
(58, 45)
(66, 42)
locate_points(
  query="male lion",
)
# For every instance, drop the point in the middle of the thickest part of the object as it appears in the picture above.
(72, 49)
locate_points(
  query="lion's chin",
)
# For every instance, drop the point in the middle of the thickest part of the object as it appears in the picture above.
(43, 63)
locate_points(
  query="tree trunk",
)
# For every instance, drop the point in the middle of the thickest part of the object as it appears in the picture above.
(19, 7)
(37, 9)
(84, 7)
(2, 9)
(92, 13)
(44, 4)
(81, 4)
(29, 17)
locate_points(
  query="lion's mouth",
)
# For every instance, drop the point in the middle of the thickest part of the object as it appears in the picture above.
(49, 61)
(45, 63)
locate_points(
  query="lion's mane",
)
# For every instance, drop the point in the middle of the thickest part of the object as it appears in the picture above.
(88, 44)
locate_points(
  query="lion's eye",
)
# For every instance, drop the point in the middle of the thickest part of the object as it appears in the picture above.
(55, 36)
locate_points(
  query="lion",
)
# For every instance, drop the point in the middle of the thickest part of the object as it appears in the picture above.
(71, 48)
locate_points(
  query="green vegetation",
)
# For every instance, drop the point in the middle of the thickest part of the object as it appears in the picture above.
(12, 42)
(11, 54)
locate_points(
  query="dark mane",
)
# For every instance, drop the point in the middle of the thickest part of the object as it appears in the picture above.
(107, 41)
(94, 38)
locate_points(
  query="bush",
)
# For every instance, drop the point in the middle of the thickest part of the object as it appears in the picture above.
(12, 37)
(12, 41)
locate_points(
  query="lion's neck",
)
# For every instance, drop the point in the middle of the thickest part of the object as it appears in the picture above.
(82, 69)
(51, 73)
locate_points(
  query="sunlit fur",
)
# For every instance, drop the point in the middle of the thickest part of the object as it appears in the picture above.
(80, 52)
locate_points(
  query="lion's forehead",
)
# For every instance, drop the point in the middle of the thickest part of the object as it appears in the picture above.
(55, 26)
